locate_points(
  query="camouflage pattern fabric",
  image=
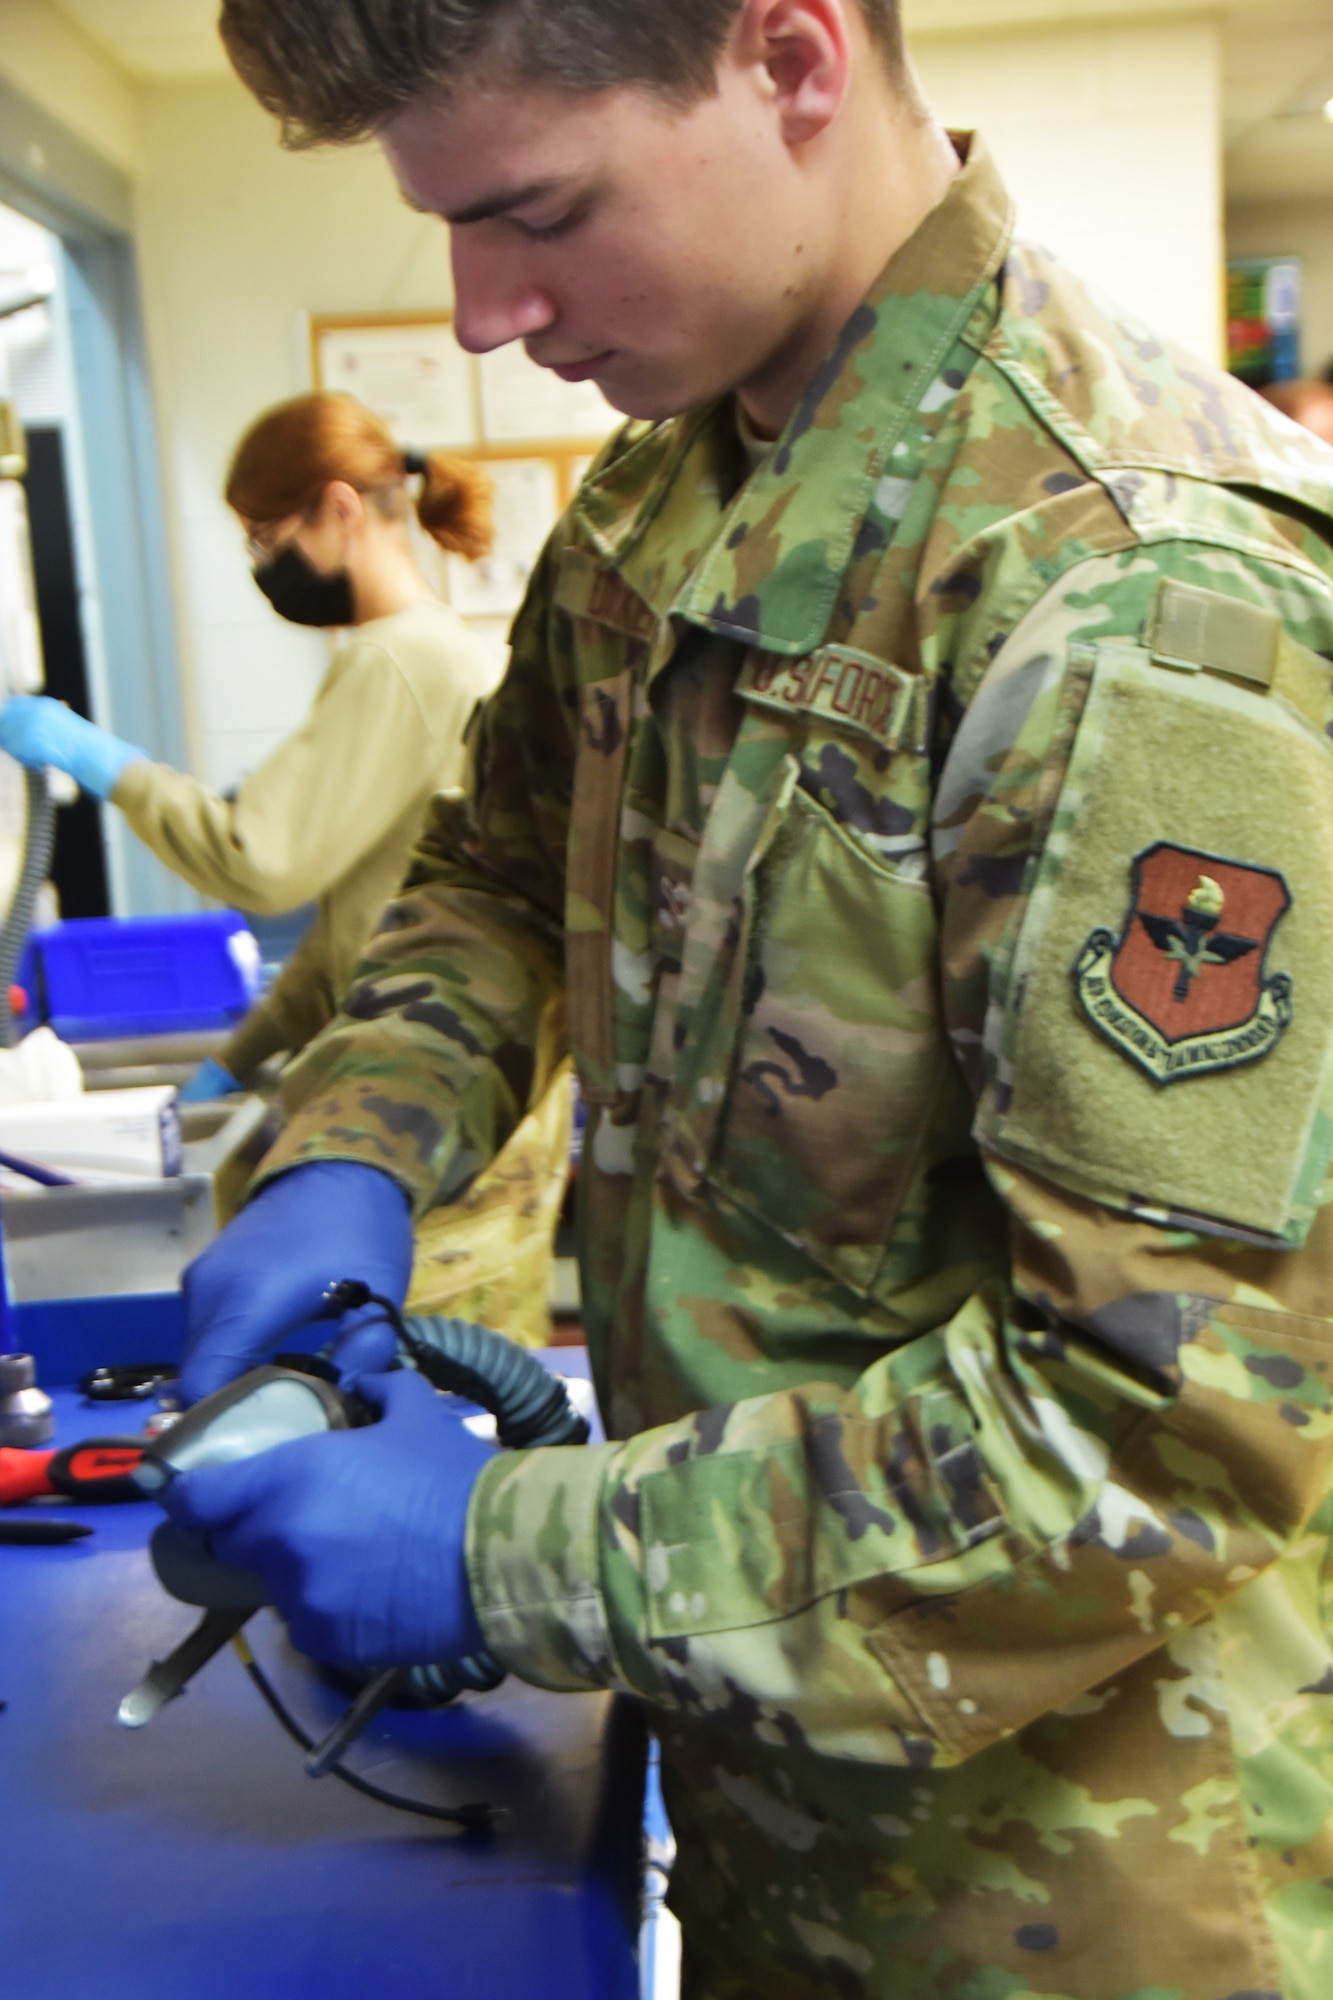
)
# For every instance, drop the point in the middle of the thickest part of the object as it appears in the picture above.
(490, 1255)
(926, 842)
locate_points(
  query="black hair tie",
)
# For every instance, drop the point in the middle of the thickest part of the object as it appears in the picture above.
(414, 465)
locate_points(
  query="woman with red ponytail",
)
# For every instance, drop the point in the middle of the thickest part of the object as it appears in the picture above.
(323, 494)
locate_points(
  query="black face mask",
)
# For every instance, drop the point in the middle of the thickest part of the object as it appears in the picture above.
(297, 591)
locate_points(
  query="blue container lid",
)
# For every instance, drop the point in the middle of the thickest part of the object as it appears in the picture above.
(102, 978)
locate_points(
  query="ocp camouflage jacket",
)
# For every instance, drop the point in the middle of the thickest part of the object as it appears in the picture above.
(930, 836)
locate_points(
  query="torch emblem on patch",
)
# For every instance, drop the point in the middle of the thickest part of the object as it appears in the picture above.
(1184, 990)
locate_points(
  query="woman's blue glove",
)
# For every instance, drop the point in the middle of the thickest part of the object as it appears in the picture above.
(265, 1275)
(39, 731)
(357, 1534)
(209, 1082)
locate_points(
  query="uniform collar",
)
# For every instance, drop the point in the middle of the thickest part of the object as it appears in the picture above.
(765, 568)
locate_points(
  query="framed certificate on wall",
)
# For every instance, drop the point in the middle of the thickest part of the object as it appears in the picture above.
(412, 373)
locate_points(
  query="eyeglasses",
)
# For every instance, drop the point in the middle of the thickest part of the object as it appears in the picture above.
(261, 549)
(259, 552)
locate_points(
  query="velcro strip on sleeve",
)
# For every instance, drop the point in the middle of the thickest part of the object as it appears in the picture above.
(1192, 628)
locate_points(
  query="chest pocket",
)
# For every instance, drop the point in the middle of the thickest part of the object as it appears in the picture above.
(811, 1063)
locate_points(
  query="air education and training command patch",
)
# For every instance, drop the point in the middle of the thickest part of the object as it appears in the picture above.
(1182, 991)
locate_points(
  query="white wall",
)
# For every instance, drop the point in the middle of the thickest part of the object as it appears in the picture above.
(237, 240)
(1111, 140)
(49, 58)
(1302, 229)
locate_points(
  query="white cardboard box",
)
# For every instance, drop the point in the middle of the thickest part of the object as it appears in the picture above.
(104, 1137)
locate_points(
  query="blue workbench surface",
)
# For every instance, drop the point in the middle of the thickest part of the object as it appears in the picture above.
(194, 1860)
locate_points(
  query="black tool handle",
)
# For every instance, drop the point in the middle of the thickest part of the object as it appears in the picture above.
(98, 1470)
(187, 1567)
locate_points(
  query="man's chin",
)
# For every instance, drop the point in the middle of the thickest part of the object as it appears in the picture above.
(648, 404)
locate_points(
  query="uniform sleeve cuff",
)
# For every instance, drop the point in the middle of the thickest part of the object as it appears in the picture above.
(534, 1562)
(133, 787)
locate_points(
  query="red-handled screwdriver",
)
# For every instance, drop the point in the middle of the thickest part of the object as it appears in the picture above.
(97, 1470)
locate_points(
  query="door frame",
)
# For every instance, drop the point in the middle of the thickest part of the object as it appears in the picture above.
(51, 175)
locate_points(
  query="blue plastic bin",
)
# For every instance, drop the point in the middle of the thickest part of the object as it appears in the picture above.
(96, 979)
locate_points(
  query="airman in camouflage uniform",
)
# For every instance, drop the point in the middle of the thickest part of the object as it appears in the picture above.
(928, 836)
(923, 839)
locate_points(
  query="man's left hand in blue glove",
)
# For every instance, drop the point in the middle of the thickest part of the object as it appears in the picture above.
(358, 1534)
(39, 731)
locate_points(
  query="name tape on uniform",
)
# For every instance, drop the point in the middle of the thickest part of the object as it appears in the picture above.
(838, 684)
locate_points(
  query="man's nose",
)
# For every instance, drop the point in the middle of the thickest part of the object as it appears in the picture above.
(494, 299)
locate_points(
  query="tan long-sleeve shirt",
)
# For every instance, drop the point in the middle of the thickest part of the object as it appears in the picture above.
(331, 815)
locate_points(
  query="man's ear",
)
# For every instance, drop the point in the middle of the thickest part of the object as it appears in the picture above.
(805, 48)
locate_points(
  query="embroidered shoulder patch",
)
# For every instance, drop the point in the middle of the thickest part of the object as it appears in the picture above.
(1184, 990)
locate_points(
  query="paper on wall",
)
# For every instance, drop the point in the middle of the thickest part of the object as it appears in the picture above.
(418, 379)
(523, 404)
(527, 506)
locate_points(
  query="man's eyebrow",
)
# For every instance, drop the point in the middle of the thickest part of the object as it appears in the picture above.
(489, 205)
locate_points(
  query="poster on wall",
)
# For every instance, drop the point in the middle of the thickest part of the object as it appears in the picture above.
(1264, 320)
(527, 505)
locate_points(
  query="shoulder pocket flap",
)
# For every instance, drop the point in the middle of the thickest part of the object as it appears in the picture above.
(1166, 1041)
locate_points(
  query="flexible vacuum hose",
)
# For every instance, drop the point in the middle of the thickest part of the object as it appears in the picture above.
(38, 843)
(530, 1406)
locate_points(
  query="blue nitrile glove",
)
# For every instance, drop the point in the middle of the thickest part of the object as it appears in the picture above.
(357, 1534)
(39, 731)
(367, 1347)
(265, 1275)
(209, 1082)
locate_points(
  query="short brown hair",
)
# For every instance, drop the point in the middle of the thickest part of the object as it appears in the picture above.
(333, 71)
(291, 453)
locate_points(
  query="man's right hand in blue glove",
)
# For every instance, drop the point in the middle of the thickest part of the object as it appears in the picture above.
(359, 1535)
(39, 731)
(265, 1276)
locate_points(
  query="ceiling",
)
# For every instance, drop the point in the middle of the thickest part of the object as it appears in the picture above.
(155, 39)
(1278, 57)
